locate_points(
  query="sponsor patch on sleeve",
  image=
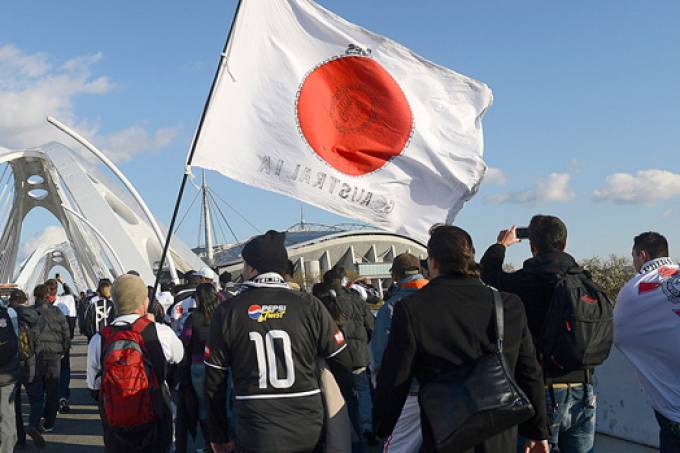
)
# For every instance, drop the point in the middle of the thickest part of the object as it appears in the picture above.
(646, 287)
(339, 338)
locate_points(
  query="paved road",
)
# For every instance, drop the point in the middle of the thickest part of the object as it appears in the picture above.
(79, 431)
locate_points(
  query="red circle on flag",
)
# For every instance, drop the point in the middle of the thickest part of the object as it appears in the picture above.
(354, 115)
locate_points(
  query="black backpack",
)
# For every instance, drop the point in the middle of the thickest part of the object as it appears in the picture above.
(28, 341)
(578, 331)
(9, 349)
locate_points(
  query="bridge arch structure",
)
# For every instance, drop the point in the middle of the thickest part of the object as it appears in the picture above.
(107, 233)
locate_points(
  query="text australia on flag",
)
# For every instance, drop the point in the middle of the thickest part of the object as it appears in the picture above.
(317, 108)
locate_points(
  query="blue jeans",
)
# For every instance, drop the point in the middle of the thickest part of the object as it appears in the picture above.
(348, 388)
(65, 377)
(362, 388)
(51, 390)
(669, 436)
(571, 418)
(198, 383)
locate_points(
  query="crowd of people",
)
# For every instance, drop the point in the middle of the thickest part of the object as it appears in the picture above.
(263, 365)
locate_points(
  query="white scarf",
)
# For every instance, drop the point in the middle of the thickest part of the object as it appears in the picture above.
(655, 264)
(267, 280)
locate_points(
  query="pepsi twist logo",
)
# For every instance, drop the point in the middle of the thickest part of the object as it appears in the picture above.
(262, 313)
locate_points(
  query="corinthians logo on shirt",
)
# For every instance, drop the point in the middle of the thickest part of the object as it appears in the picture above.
(671, 288)
(353, 114)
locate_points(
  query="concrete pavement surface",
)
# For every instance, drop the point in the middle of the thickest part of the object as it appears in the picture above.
(79, 431)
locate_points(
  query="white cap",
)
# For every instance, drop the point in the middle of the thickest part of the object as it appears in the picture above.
(206, 272)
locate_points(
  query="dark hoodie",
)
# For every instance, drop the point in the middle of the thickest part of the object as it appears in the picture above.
(534, 284)
(55, 337)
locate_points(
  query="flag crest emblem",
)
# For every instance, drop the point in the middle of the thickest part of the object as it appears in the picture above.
(353, 114)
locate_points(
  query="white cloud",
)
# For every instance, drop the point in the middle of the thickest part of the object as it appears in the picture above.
(644, 187)
(133, 140)
(495, 176)
(31, 88)
(49, 236)
(28, 65)
(553, 189)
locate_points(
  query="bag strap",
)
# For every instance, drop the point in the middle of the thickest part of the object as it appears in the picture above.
(498, 308)
(140, 324)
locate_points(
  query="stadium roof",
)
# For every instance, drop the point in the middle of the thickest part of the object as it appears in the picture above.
(295, 240)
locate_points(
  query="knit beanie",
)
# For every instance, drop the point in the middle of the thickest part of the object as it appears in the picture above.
(267, 253)
(129, 293)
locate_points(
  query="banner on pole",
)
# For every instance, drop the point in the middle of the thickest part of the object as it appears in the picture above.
(317, 108)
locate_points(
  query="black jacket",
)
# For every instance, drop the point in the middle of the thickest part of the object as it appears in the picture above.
(534, 284)
(451, 323)
(30, 317)
(55, 337)
(200, 334)
(359, 328)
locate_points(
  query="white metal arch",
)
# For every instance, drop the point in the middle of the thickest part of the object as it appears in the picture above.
(74, 190)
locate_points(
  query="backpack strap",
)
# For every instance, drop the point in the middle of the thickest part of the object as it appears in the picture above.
(498, 310)
(104, 335)
(152, 345)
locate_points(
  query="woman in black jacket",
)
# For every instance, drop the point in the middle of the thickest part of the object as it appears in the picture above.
(450, 323)
(195, 335)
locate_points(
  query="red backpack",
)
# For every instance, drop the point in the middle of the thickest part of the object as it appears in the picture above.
(130, 390)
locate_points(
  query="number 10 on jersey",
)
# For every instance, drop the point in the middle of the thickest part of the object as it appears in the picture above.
(266, 358)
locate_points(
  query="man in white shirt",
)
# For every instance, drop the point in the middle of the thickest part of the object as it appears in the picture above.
(130, 297)
(173, 350)
(647, 331)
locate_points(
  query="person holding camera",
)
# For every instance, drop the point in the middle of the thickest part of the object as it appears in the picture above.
(567, 315)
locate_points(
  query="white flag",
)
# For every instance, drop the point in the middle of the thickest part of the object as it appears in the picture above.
(317, 108)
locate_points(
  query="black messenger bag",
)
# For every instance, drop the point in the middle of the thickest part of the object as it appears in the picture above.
(472, 403)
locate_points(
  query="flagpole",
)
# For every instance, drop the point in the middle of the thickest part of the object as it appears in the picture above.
(193, 149)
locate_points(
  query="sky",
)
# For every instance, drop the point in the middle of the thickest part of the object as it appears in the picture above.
(584, 125)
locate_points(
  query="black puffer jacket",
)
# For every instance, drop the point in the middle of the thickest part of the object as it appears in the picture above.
(30, 318)
(55, 337)
(359, 327)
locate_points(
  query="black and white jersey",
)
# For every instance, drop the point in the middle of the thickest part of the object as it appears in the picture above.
(271, 338)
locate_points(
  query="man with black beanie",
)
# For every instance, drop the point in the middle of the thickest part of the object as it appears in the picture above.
(280, 333)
